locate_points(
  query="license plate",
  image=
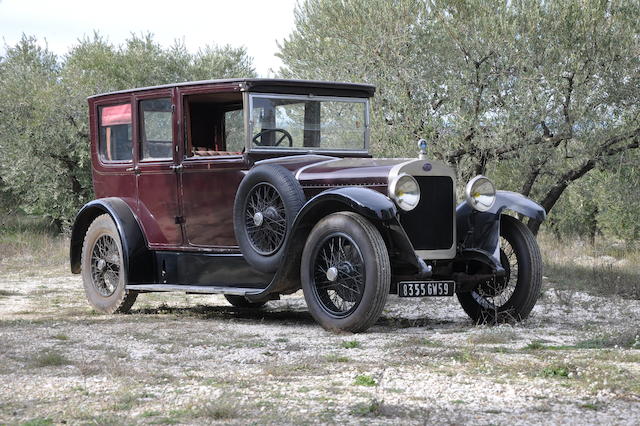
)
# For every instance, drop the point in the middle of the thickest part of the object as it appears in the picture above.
(426, 288)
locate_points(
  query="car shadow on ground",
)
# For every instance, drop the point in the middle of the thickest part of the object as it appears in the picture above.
(287, 316)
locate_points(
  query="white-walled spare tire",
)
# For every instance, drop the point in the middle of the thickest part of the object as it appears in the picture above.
(267, 201)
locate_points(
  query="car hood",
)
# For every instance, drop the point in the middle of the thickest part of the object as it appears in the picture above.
(334, 172)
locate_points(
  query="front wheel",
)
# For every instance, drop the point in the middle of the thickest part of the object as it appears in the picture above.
(345, 272)
(512, 297)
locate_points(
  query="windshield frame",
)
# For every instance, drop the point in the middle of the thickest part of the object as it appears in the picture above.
(248, 110)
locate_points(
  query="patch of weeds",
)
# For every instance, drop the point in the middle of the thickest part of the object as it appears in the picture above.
(461, 356)
(60, 336)
(126, 402)
(372, 408)
(591, 406)
(150, 413)
(556, 371)
(50, 358)
(281, 340)
(219, 410)
(337, 358)
(497, 335)
(365, 380)
(350, 344)
(535, 345)
(38, 422)
(7, 293)
(629, 339)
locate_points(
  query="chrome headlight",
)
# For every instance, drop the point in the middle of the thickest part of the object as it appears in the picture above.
(480, 193)
(404, 190)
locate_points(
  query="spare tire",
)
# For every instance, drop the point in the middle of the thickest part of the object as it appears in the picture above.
(267, 201)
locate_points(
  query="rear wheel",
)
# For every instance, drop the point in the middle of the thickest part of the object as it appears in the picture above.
(345, 272)
(512, 297)
(103, 273)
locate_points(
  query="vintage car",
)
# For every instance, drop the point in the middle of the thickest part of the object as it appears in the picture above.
(255, 188)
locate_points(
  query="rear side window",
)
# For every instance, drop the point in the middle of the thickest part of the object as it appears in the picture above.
(156, 129)
(115, 133)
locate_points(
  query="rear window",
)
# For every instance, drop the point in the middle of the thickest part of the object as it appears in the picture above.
(115, 133)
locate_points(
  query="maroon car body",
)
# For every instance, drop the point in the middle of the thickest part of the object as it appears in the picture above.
(168, 162)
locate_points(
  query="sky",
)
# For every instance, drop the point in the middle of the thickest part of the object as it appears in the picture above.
(255, 24)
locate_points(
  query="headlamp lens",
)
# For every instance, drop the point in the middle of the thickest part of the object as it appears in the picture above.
(406, 192)
(480, 193)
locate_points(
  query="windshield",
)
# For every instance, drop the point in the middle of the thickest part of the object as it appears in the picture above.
(309, 123)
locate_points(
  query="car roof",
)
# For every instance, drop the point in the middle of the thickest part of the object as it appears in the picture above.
(268, 85)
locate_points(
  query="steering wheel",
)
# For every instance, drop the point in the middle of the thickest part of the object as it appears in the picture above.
(285, 135)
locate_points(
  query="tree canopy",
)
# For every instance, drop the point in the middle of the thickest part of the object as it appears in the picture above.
(536, 93)
(44, 147)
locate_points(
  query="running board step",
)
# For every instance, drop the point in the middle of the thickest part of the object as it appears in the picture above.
(237, 291)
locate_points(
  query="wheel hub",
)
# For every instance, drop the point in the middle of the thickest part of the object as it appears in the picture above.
(101, 264)
(258, 218)
(332, 274)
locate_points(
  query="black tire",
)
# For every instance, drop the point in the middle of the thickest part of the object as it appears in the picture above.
(351, 297)
(242, 302)
(511, 298)
(103, 272)
(273, 193)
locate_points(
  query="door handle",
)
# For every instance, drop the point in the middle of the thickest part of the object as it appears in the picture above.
(135, 170)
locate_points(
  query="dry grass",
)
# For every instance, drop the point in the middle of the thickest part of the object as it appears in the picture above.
(603, 268)
(28, 244)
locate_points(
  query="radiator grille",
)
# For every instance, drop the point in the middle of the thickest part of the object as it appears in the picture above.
(430, 225)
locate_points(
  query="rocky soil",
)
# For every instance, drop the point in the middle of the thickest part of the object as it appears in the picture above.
(187, 359)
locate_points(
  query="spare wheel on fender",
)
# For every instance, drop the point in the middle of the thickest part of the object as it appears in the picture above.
(267, 201)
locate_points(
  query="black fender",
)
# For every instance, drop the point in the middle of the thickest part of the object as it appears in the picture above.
(481, 230)
(138, 259)
(373, 205)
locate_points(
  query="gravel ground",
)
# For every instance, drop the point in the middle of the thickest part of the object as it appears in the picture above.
(187, 359)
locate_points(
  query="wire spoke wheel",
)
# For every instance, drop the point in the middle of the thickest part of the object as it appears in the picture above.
(511, 297)
(105, 265)
(496, 293)
(265, 219)
(338, 275)
(345, 272)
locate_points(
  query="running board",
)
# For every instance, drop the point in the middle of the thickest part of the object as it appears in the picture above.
(237, 291)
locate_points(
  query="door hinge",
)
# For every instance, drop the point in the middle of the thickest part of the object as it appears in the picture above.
(180, 220)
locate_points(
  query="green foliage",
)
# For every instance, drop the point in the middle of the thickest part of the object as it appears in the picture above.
(350, 344)
(365, 380)
(536, 93)
(44, 156)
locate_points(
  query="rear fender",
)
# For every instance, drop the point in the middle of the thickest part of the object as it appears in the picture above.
(138, 259)
(481, 230)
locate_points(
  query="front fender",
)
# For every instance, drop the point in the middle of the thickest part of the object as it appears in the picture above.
(376, 207)
(481, 230)
(367, 202)
(138, 260)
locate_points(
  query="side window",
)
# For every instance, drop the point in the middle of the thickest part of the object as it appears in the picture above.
(234, 130)
(115, 133)
(156, 129)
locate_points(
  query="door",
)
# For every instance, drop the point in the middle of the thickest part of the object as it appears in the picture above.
(212, 168)
(156, 169)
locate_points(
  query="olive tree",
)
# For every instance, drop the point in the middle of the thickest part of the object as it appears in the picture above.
(539, 93)
(44, 156)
